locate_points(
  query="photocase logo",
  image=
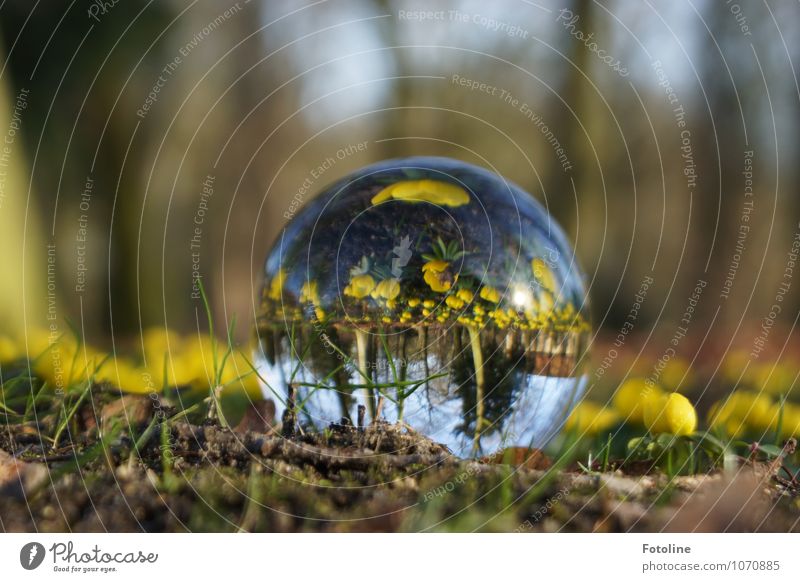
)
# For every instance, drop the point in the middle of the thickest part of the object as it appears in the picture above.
(402, 253)
(31, 555)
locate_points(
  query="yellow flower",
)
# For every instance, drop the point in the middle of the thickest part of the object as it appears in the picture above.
(276, 285)
(543, 274)
(437, 276)
(360, 286)
(55, 366)
(454, 302)
(775, 378)
(435, 266)
(128, 377)
(239, 377)
(490, 294)
(157, 342)
(429, 303)
(309, 293)
(591, 418)
(413, 302)
(736, 368)
(465, 295)
(630, 396)
(8, 350)
(36, 341)
(320, 313)
(163, 351)
(652, 413)
(64, 362)
(744, 410)
(500, 317)
(177, 370)
(790, 426)
(195, 365)
(433, 191)
(670, 413)
(438, 282)
(762, 414)
(387, 289)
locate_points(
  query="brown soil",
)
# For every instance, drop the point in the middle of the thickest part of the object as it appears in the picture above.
(382, 478)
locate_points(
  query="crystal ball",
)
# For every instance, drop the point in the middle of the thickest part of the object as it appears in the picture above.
(430, 292)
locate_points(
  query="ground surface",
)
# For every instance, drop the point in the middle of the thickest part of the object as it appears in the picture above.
(201, 477)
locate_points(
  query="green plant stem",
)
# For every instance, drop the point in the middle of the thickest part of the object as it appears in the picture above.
(363, 368)
(72, 411)
(374, 385)
(215, 387)
(401, 378)
(480, 382)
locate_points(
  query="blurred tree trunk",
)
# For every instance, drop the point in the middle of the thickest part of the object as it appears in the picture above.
(578, 94)
(76, 68)
(222, 93)
(24, 254)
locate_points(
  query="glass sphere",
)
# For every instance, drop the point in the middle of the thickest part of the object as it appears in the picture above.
(431, 292)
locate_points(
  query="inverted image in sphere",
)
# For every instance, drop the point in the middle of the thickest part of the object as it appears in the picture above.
(434, 293)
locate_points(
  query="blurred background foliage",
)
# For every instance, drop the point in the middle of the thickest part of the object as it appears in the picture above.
(266, 91)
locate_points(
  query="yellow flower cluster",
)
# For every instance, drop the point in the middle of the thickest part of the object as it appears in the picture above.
(637, 402)
(57, 358)
(166, 360)
(190, 361)
(364, 285)
(742, 413)
(560, 319)
(433, 191)
(771, 377)
(754, 412)
(126, 375)
(467, 311)
(526, 310)
(459, 299)
(591, 418)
